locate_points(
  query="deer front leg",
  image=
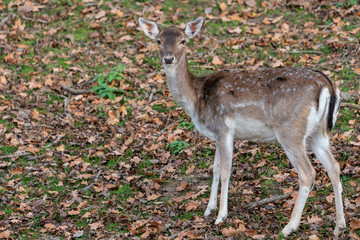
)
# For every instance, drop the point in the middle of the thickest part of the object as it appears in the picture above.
(215, 185)
(225, 146)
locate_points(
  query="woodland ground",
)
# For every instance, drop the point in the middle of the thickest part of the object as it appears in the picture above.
(77, 165)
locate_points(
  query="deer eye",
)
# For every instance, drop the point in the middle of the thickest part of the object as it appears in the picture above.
(158, 42)
(183, 42)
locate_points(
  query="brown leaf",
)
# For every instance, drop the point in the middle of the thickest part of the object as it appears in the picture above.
(256, 31)
(222, 6)
(153, 197)
(113, 120)
(190, 169)
(250, 3)
(5, 235)
(73, 212)
(17, 170)
(216, 61)
(285, 28)
(314, 219)
(355, 224)
(192, 205)
(82, 204)
(96, 225)
(100, 14)
(230, 232)
(50, 226)
(35, 114)
(182, 186)
(314, 237)
(236, 30)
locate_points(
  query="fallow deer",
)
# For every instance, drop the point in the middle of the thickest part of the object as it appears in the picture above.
(296, 107)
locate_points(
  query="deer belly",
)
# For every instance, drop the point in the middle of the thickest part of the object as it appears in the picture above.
(251, 129)
(204, 130)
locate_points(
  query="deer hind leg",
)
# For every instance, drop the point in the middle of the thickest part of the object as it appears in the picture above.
(296, 152)
(321, 147)
(225, 146)
(215, 184)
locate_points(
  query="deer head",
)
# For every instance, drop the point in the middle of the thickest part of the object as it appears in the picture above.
(172, 40)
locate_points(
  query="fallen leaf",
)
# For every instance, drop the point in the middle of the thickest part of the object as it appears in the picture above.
(153, 197)
(73, 212)
(216, 61)
(50, 226)
(230, 232)
(78, 234)
(182, 186)
(222, 6)
(256, 31)
(192, 205)
(35, 114)
(100, 14)
(96, 225)
(314, 219)
(6, 234)
(314, 237)
(236, 30)
(16, 171)
(250, 3)
(355, 224)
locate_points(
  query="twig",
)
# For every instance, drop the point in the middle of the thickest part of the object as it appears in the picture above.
(83, 190)
(75, 91)
(57, 140)
(66, 101)
(151, 94)
(351, 105)
(269, 200)
(305, 51)
(97, 175)
(4, 20)
(34, 20)
(16, 155)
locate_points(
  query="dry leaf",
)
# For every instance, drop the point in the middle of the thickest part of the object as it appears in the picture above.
(182, 186)
(5, 235)
(216, 61)
(35, 114)
(230, 232)
(256, 31)
(314, 237)
(314, 219)
(73, 212)
(100, 14)
(17, 170)
(192, 205)
(250, 3)
(236, 30)
(96, 225)
(153, 197)
(50, 226)
(222, 6)
(354, 224)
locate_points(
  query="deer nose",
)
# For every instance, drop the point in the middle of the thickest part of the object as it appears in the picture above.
(169, 59)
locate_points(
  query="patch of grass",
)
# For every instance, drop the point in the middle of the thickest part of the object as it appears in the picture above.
(160, 108)
(106, 82)
(178, 146)
(7, 150)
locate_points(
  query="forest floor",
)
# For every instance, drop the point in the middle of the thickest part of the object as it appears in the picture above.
(92, 145)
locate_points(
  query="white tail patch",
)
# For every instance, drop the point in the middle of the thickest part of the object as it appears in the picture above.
(323, 110)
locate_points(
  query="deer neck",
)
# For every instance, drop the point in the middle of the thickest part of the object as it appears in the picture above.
(181, 83)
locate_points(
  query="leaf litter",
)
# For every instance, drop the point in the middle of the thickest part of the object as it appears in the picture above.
(82, 166)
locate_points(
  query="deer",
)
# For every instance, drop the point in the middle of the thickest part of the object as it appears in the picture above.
(296, 107)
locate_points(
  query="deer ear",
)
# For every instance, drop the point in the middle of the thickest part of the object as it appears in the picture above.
(193, 27)
(150, 28)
